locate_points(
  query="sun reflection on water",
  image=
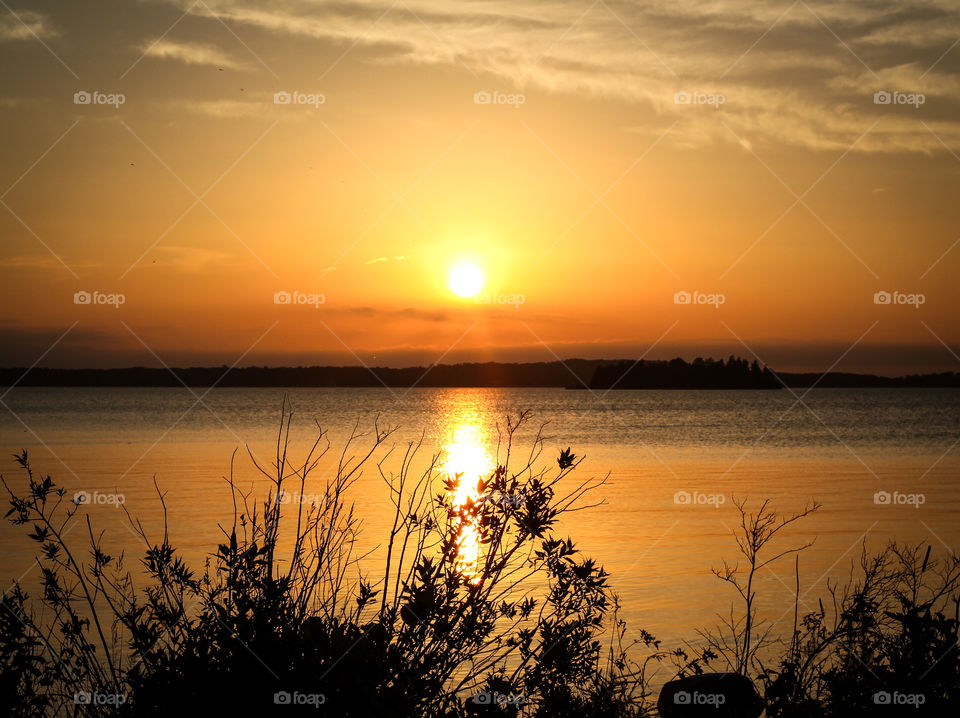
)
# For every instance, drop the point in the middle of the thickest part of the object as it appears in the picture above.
(465, 454)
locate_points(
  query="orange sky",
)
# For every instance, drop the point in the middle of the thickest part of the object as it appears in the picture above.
(588, 191)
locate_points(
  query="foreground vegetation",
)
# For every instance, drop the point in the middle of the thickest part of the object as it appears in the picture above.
(280, 620)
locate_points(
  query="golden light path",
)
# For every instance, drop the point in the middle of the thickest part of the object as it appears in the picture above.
(465, 454)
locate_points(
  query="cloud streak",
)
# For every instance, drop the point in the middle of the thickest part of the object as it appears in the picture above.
(801, 74)
(190, 53)
(25, 25)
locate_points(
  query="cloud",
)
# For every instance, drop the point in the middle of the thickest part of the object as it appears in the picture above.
(382, 313)
(258, 105)
(25, 25)
(190, 53)
(193, 259)
(800, 75)
(44, 261)
(222, 109)
(377, 260)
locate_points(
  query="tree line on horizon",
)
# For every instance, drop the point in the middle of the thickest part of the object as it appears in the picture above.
(733, 373)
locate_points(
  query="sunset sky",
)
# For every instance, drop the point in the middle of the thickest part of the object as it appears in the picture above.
(628, 151)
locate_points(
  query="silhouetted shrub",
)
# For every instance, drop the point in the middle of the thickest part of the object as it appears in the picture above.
(280, 614)
(885, 645)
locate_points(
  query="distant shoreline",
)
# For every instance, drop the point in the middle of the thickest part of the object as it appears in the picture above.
(599, 374)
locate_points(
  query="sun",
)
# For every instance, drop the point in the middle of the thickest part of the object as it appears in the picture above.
(465, 279)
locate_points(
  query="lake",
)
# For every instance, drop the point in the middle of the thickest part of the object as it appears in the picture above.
(883, 463)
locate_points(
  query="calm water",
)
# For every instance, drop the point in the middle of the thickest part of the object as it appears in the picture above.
(656, 449)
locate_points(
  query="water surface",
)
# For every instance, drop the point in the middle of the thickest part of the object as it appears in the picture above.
(673, 462)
